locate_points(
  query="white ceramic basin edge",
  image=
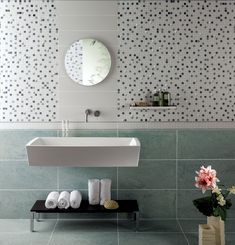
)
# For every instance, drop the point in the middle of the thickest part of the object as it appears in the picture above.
(84, 151)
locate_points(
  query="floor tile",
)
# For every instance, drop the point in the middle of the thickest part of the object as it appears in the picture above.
(191, 225)
(230, 225)
(24, 239)
(14, 225)
(16, 232)
(72, 237)
(230, 238)
(132, 238)
(149, 226)
(64, 226)
(193, 238)
(22, 225)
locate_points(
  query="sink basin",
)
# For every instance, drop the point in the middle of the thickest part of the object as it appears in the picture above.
(84, 151)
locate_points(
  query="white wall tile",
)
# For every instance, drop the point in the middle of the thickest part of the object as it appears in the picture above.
(87, 22)
(86, 7)
(87, 99)
(109, 38)
(74, 113)
(109, 84)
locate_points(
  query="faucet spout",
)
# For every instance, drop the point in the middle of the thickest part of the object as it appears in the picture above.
(87, 113)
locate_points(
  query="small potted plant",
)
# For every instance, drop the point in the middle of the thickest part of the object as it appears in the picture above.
(215, 205)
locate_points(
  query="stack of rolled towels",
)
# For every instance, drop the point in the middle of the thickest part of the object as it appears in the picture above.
(99, 191)
(63, 200)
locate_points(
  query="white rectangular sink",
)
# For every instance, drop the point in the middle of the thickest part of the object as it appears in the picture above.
(84, 151)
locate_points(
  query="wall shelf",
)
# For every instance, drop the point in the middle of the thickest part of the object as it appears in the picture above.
(152, 107)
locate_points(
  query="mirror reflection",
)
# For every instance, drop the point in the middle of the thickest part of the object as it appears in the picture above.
(87, 62)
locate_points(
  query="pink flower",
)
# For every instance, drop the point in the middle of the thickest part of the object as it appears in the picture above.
(206, 178)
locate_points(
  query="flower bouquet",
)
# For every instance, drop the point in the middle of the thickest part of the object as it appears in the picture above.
(217, 203)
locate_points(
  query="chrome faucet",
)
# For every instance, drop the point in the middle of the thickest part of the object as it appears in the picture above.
(87, 113)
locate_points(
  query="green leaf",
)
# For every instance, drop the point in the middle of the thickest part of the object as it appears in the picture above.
(204, 205)
(216, 212)
(222, 212)
(228, 203)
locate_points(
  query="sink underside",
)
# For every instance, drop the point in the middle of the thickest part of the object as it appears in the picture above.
(84, 151)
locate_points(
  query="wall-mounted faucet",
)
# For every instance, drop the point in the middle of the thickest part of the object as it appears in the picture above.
(87, 113)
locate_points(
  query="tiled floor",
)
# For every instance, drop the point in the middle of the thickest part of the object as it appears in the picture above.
(74, 232)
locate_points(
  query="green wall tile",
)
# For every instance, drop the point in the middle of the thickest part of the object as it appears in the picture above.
(70, 178)
(93, 133)
(155, 174)
(15, 175)
(186, 172)
(186, 209)
(17, 204)
(12, 142)
(155, 144)
(206, 144)
(152, 203)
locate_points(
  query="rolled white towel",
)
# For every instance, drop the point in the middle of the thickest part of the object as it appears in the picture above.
(94, 191)
(63, 201)
(52, 200)
(105, 190)
(75, 199)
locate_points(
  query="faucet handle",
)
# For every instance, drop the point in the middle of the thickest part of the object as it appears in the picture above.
(96, 113)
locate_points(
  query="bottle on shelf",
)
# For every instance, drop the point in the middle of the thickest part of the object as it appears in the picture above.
(161, 97)
(156, 98)
(166, 98)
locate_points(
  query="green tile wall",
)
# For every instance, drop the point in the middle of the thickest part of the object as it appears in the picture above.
(163, 183)
(206, 144)
(155, 144)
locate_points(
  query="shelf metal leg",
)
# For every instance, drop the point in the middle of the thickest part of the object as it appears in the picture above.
(38, 217)
(32, 222)
(137, 220)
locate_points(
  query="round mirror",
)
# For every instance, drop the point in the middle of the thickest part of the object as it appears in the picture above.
(87, 62)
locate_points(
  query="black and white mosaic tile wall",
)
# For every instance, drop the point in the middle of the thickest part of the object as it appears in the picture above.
(28, 61)
(187, 47)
